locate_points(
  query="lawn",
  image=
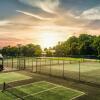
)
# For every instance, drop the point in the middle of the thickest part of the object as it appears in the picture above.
(12, 76)
(40, 91)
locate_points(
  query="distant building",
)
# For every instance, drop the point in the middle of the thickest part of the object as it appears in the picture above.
(44, 54)
(53, 51)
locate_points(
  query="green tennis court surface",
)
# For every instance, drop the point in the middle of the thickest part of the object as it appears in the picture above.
(12, 76)
(40, 91)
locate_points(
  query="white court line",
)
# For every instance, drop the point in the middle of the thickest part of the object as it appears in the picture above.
(36, 84)
(37, 93)
(82, 93)
(77, 96)
(56, 86)
(65, 87)
(27, 84)
(33, 84)
(28, 77)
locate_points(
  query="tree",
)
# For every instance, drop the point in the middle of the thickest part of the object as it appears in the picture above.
(96, 45)
(49, 53)
(26, 50)
(38, 51)
(83, 45)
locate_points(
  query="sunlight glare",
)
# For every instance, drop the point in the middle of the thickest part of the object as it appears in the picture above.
(49, 39)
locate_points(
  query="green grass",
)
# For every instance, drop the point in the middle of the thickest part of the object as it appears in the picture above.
(53, 58)
(41, 91)
(66, 58)
(12, 76)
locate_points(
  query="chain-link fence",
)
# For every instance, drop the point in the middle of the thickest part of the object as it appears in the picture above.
(87, 70)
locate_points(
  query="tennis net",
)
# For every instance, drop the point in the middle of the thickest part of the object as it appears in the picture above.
(13, 91)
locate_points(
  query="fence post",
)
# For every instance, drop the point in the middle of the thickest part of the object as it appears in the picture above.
(36, 65)
(24, 63)
(17, 62)
(99, 60)
(79, 72)
(63, 69)
(28, 61)
(50, 67)
(12, 62)
(45, 61)
(7, 61)
(58, 60)
(32, 64)
(70, 62)
(40, 66)
(3, 63)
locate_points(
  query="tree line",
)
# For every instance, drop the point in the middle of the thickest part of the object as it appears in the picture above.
(83, 45)
(28, 50)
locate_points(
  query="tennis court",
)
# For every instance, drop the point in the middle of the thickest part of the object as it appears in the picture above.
(41, 90)
(12, 76)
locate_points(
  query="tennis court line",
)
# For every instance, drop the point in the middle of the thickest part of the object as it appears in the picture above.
(44, 85)
(36, 85)
(77, 96)
(82, 93)
(28, 77)
(26, 84)
(65, 87)
(56, 86)
(37, 93)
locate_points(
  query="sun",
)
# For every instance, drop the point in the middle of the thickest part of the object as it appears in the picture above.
(48, 39)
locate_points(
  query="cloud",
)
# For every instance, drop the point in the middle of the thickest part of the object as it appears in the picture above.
(5, 41)
(33, 15)
(49, 5)
(31, 18)
(4, 22)
(46, 5)
(91, 14)
(94, 25)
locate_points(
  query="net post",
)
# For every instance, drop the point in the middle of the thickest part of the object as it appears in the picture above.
(4, 87)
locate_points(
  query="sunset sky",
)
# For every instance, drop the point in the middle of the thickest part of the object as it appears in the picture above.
(45, 22)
